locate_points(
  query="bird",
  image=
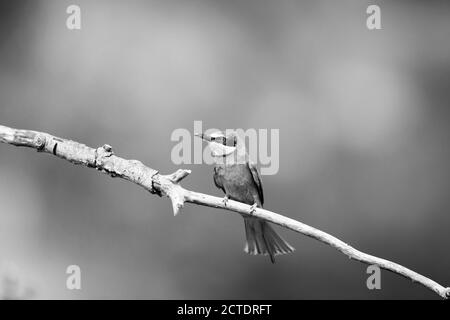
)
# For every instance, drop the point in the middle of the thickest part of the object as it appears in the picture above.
(238, 177)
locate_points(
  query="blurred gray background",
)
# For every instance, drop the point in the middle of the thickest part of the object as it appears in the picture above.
(364, 143)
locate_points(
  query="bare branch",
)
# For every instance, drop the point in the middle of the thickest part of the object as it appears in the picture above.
(104, 160)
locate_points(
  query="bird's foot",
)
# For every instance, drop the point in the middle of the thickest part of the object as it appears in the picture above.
(253, 208)
(225, 200)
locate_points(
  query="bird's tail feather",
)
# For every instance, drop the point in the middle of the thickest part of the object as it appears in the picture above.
(262, 239)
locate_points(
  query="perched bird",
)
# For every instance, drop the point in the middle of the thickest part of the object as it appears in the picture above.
(239, 179)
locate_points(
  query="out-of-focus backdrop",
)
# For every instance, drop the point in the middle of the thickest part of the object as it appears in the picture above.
(364, 143)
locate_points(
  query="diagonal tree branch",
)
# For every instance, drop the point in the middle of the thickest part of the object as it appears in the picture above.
(104, 160)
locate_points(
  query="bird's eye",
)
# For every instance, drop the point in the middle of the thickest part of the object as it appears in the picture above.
(213, 138)
(219, 140)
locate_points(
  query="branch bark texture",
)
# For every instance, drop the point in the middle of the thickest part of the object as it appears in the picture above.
(104, 160)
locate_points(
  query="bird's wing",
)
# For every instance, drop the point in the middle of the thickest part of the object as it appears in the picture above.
(217, 182)
(257, 179)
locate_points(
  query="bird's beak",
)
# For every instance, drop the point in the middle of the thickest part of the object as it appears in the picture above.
(203, 136)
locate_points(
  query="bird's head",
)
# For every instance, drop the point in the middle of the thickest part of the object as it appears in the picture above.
(220, 144)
